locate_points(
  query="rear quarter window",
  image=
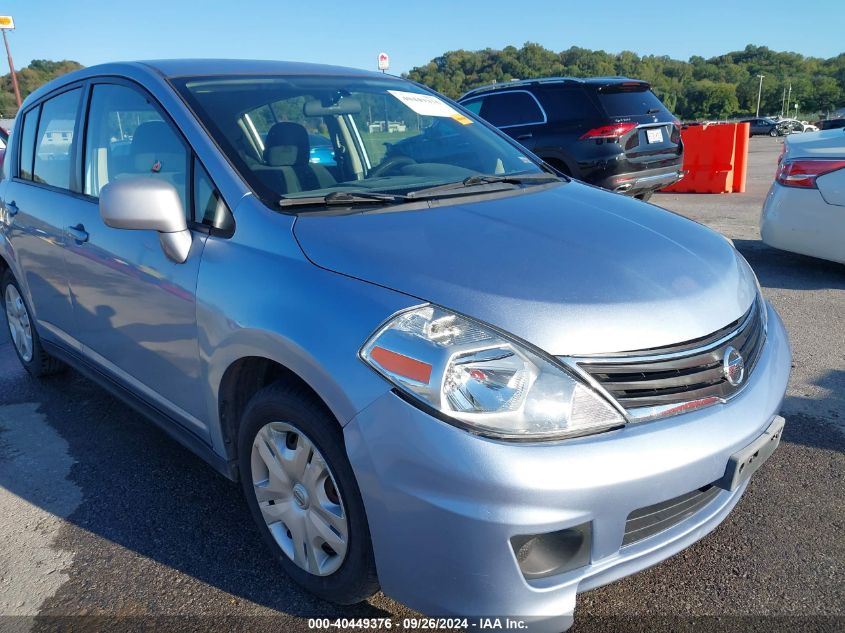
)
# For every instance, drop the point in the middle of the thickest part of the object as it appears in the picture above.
(54, 141)
(618, 103)
(27, 153)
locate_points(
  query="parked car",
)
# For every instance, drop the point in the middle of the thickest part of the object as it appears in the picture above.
(762, 126)
(792, 126)
(805, 209)
(612, 132)
(4, 141)
(831, 124)
(452, 374)
(321, 151)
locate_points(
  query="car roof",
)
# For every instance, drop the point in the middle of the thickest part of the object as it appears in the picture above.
(589, 81)
(197, 67)
(173, 68)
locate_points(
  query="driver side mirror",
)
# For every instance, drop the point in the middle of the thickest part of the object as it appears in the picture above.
(143, 203)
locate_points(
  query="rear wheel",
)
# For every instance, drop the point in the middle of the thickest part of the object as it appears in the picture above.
(25, 339)
(303, 494)
(645, 197)
(773, 132)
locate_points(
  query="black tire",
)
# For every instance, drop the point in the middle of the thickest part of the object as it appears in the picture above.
(356, 579)
(559, 165)
(774, 132)
(645, 197)
(41, 364)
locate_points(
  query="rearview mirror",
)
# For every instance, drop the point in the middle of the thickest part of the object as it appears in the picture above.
(143, 203)
(346, 105)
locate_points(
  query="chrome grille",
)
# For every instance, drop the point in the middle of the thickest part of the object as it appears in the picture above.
(661, 516)
(656, 382)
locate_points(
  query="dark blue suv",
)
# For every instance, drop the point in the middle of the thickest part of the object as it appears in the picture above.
(612, 132)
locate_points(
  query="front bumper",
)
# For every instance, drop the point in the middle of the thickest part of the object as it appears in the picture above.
(443, 504)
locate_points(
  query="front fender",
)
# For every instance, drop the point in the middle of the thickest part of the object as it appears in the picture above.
(257, 295)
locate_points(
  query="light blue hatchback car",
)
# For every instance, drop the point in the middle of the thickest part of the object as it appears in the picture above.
(437, 366)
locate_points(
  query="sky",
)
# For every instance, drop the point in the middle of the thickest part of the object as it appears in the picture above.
(412, 33)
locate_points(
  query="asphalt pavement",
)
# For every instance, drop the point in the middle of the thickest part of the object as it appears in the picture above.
(105, 523)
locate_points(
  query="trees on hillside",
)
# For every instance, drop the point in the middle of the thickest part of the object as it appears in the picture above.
(31, 77)
(718, 87)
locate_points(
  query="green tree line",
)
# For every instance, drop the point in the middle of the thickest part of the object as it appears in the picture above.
(716, 88)
(30, 78)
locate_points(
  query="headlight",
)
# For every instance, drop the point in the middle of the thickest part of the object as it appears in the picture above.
(482, 381)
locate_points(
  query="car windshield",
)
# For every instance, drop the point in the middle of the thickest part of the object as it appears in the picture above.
(309, 136)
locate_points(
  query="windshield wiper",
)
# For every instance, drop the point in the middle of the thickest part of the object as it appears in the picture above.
(477, 181)
(342, 198)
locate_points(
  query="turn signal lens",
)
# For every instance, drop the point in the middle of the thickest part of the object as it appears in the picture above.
(804, 172)
(483, 381)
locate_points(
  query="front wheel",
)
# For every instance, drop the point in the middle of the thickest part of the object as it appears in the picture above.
(773, 132)
(22, 330)
(303, 494)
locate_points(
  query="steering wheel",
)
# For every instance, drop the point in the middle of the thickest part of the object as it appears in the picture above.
(389, 164)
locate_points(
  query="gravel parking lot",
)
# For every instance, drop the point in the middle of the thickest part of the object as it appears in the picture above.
(101, 515)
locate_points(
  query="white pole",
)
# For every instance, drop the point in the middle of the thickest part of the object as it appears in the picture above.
(759, 94)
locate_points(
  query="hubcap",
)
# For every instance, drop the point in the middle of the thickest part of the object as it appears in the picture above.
(19, 323)
(299, 499)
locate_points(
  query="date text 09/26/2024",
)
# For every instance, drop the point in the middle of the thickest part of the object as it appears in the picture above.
(419, 624)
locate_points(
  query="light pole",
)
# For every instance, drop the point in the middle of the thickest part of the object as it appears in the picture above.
(788, 97)
(7, 23)
(759, 94)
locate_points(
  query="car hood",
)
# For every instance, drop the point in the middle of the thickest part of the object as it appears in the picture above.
(571, 269)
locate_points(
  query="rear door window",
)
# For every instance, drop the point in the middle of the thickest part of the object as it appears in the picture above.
(515, 107)
(568, 104)
(625, 103)
(55, 139)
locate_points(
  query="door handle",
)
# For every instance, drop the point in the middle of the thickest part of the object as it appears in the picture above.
(78, 233)
(522, 137)
(12, 209)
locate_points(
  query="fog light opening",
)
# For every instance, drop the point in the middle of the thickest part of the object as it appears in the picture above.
(543, 555)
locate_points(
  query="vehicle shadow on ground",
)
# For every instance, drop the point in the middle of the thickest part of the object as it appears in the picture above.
(782, 269)
(813, 432)
(818, 422)
(149, 498)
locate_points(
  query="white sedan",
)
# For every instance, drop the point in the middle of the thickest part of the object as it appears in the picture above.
(804, 211)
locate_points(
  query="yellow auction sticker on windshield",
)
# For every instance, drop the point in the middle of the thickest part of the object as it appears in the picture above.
(428, 105)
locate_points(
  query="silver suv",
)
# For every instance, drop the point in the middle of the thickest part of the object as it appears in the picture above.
(435, 366)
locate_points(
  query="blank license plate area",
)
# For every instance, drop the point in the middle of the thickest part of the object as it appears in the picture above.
(744, 463)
